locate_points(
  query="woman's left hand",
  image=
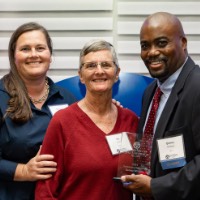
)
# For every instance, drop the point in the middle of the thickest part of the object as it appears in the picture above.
(39, 167)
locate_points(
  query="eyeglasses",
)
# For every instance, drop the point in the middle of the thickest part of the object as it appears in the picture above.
(105, 65)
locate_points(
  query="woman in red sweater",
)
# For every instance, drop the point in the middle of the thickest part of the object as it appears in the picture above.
(77, 135)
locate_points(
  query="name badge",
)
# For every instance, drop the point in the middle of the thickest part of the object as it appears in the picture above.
(171, 152)
(53, 109)
(117, 141)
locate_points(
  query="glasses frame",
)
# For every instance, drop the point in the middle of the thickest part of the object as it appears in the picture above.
(98, 63)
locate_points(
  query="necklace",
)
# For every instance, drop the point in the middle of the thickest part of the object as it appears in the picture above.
(44, 97)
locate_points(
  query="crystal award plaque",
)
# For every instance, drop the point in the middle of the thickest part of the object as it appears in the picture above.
(131, 160)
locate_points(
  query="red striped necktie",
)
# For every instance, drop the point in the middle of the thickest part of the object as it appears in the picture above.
(146, 142)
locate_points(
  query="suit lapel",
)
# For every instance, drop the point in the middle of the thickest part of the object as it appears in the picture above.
(169, 108)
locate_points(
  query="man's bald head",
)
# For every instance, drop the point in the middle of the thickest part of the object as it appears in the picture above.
(163, 44)
(161, 19)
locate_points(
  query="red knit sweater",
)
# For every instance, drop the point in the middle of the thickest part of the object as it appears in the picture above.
(85, 165)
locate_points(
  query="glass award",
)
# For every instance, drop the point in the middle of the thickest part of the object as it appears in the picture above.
(132, 154)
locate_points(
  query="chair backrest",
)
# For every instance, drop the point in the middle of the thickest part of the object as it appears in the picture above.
(128, 90)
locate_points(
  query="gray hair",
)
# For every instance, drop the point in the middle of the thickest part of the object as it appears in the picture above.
(97, 45)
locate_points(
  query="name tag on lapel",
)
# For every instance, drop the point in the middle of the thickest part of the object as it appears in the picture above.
(171, 152)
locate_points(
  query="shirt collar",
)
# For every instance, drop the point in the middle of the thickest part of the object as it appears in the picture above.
(168, 84)
(53, 88)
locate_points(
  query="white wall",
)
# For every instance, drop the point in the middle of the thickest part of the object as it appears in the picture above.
(71, 23)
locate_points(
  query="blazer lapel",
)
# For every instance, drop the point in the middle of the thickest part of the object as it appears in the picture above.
(169, 108)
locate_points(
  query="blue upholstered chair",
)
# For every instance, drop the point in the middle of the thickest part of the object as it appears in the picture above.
(128, 90)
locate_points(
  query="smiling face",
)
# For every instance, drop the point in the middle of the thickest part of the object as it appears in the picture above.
(98, 79)
(32, 55)
(163, 45)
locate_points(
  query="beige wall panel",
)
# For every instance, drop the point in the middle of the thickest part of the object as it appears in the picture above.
(58, 5)
(149, 7)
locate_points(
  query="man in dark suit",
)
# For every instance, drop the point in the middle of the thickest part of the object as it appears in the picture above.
(175, 153)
